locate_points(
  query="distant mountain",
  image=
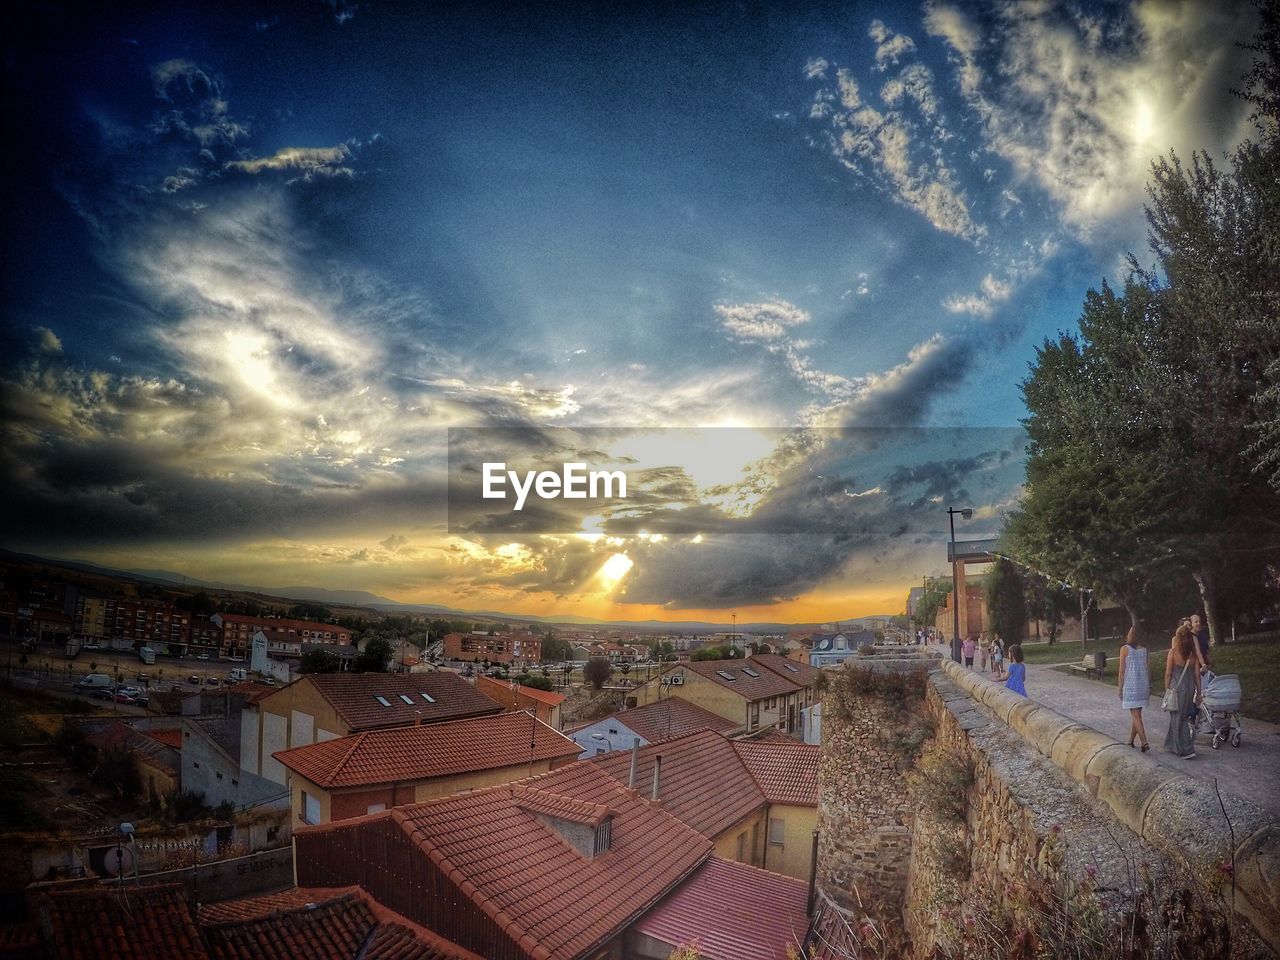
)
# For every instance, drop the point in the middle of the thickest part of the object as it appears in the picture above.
(362, 598)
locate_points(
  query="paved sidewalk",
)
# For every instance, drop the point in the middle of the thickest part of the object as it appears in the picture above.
(1251, 771)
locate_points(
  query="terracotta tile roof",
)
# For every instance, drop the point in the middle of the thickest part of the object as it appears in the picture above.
(536, 800)
(170, 738)
(787, 771)
(552, 901)
(20, 941)
(490, 687)
(353, 697)
(144, 748)
(251, 908)
(675, 717)
(428, 751)
(138, 923)
(794, 670)
(734, 912)
(703, 782)
(346, 925)
(732, 675)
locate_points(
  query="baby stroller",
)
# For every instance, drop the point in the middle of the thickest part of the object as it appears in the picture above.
(1219, 713)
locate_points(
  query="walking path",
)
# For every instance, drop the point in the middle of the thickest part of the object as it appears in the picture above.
(1252, 771)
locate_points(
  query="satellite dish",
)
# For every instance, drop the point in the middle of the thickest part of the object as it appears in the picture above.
(119, 862)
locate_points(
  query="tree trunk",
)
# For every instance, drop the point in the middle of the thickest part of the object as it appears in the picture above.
(1209, 597)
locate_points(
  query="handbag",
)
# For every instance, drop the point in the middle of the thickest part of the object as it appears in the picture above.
(1171, 702)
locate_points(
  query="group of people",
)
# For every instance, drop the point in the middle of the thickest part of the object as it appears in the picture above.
(1187, 661)
(991, 654)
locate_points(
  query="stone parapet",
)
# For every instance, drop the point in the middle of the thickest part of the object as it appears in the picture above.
(1217, 837)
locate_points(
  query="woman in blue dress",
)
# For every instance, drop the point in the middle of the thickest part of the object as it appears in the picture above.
(1135, 685)
(1017, 678)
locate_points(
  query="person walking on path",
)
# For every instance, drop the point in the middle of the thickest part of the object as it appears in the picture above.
(1017, 676)
(984, 652)
(1182, 691)
(1201, 634)
(997, 656)
(1134, 685)
(967, 649)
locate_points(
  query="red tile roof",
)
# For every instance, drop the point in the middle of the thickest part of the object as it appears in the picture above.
(428, 751)
(733, 912)
(353, 697)
(552, 901)
(252, 908)
(134, 923)
(170, 738)
(665, 719)
(349, 924)
(732, 675)
(549, 804)
(703, 781)
(787, 771)
(490, 687)
(794, 670)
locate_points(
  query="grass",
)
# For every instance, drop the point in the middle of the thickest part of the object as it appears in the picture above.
(1255, 660)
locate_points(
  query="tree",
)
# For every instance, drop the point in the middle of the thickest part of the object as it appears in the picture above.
(310, 611)
(538, 683)
(320, 661)
(1047, 601)
(936, 591)
(374, 657)
(597, 671)
(1006, 603)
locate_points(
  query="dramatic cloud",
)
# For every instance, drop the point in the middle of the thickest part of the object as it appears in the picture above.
(309, 161)
(1079, 103)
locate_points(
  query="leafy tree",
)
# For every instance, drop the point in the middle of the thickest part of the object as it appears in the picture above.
(597, 671)
(936, 591)
(716, 653)
(539, 683)
(71, 742)
(555, 649)
(374, 656)
(226, 810)
(1047, 601)
(320, 661)
(310, 611)
(1006, 602)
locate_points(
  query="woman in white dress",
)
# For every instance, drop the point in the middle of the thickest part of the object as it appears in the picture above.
(1135, 685)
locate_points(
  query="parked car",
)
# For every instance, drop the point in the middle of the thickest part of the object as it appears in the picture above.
(211, 682)
(103, 693)
(94, 681)
(203, 656)
(91, 648)
(194, 680)
(123, 698)
(131, 691)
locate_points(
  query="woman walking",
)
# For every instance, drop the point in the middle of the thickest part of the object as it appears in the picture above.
(997, 657)
(1134, 685)
(967, 649)
(1181, 692)
(984, 652)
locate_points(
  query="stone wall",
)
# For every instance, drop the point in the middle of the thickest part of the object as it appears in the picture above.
(865, 810)
(1012, 821)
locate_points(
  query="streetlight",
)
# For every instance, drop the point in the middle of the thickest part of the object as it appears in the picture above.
(603, 739)
(967, 514)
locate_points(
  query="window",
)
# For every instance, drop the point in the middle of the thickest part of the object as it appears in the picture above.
(219, 776)
(600, 750)
(383, 700)
(310, 808)
(406, 698)
(792, 667)
(777, 831)
(427, 697)
(613, 731)
(725, 675)
(197, 764)
(235, 782)
(376, 808)
(750, 673)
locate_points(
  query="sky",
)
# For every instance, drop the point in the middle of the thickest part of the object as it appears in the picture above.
(271, 269)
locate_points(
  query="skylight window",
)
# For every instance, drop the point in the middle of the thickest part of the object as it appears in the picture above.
(750, 673)
(725, 674)
(427, 697)
(383, 700)
(406, 698)
(792, 667)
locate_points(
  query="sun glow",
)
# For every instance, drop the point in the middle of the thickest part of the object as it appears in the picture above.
(614, 569)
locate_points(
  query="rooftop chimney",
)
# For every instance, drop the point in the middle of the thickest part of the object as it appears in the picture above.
(635, 764)
(657, 776)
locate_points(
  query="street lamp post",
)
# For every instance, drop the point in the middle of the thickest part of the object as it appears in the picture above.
(966, 513)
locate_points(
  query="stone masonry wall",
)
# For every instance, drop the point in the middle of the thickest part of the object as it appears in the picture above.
(865, 811)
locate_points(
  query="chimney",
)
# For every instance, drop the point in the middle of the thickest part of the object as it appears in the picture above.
(635, 764)
(417, 718)
(657, 776)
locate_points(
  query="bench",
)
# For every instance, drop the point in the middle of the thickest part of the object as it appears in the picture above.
(1092, 664)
